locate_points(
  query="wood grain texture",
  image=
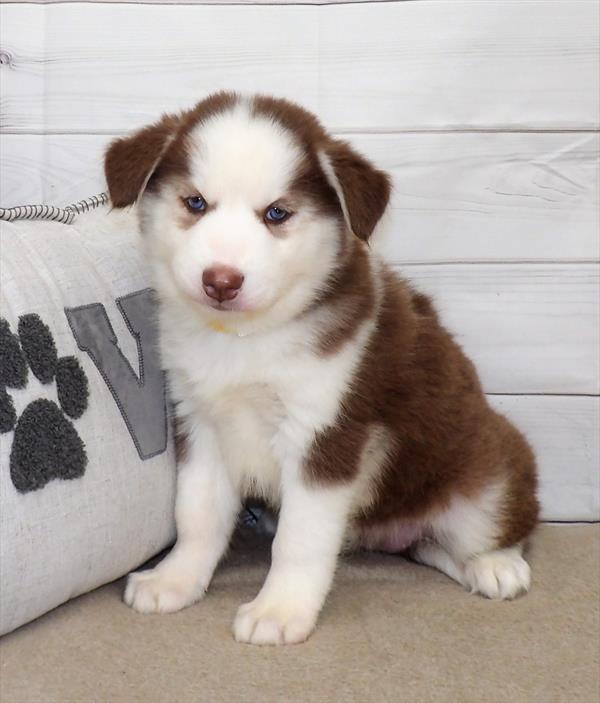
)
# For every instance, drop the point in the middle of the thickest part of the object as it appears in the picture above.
(529, 328)
(461, 64)
(457, 197)
(53, 169)
(563, 432)
(365, 66)
(486, 197)
(104, 68)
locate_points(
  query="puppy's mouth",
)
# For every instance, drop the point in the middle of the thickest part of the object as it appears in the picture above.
(240, 304)
(223, 305)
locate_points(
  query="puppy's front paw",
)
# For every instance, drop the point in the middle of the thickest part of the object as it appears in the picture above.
(159, 591)
(261, 622)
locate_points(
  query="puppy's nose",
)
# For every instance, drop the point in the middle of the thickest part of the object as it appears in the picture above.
(222, 282)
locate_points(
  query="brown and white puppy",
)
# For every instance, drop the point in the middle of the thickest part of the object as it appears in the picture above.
(306, 372)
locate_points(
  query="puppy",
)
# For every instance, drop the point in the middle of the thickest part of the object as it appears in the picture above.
(306, 372)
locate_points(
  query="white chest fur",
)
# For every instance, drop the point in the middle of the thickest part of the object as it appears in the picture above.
(266, 395)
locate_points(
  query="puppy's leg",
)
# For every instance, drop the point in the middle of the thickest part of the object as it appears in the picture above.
(466, 547)
(432, 554)
(304, 554)
(205, 512)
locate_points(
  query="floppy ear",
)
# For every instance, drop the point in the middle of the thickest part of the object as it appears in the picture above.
(130, 162)
(363, 190)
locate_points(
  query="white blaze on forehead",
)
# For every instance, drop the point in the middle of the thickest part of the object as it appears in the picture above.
(243, 157)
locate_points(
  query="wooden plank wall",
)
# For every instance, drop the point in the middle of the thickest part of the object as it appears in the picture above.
(486, 113)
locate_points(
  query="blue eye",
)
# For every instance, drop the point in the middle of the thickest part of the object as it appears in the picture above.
(276, 215)
(195, 204)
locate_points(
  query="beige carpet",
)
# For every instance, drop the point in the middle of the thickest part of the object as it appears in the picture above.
(391, 631)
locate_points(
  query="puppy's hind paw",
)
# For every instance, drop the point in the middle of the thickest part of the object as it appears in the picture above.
(501, 575)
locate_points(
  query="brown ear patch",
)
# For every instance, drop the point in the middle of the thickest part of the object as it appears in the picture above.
(157, 151)
(130, 161)
(366, 190)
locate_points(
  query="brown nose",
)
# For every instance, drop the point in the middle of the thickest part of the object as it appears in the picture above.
(222, 282)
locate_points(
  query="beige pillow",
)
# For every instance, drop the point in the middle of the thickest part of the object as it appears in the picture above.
(87, 464)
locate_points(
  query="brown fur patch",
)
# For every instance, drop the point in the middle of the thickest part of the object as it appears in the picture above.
(520, 509)
(312, 185)
(307, 129)
(416, 381)
(335, 451)
(348, 297)
(213, 105)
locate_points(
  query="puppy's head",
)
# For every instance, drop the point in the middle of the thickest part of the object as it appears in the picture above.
(247, 204)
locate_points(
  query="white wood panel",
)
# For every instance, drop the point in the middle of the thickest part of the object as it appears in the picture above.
(461, 64)
(486, 197)
(457, 197)
(53, 169)
(564, 433)
(92, 68)
(529, 328)
(375, 66)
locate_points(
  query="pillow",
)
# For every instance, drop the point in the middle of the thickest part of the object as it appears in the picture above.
(86, 454)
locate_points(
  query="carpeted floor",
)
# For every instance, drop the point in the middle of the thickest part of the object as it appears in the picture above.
(391, 631)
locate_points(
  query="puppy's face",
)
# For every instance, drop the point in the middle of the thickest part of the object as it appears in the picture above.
(247, 205)
(233, 229)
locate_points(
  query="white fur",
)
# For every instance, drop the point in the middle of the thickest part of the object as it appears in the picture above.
(305, 550)
(463, 546)
(500, 574)
(432, 554)
(206, 508)
(469, 526)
